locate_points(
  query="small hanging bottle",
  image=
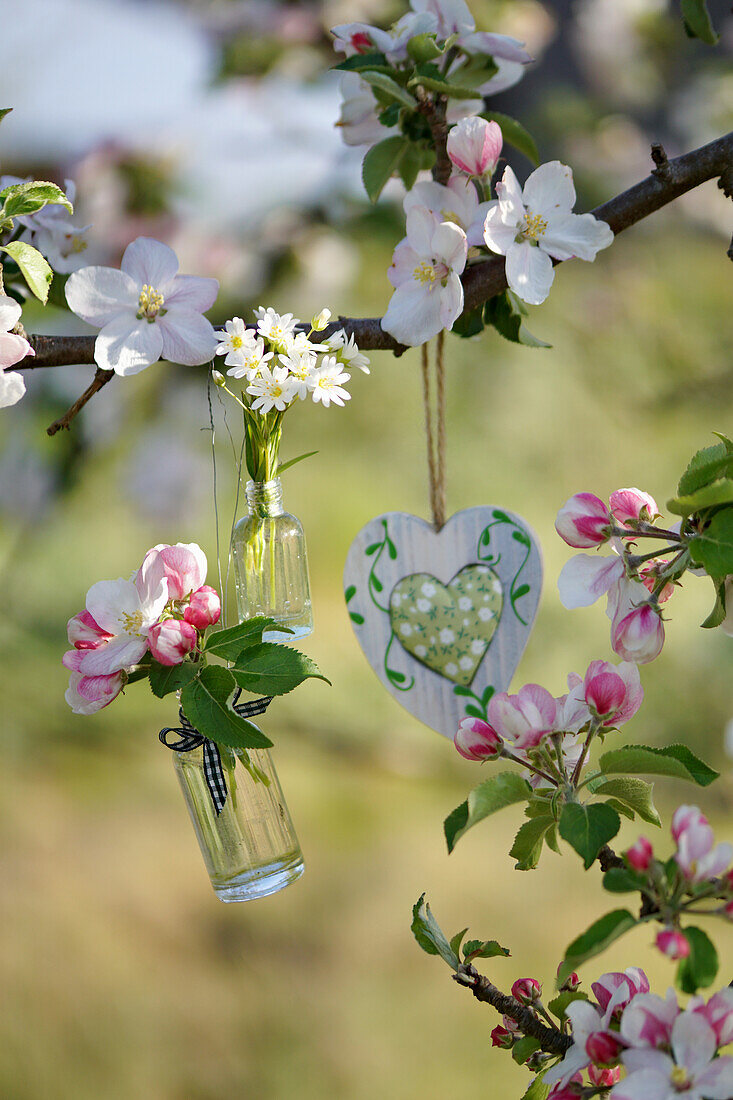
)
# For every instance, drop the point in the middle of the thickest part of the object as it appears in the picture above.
(270, 563)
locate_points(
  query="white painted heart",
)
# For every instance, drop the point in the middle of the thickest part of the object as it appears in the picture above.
(443, 618)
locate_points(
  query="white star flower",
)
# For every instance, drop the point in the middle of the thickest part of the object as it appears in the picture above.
(347, 351)
(279, 330)
(272, 389)
(327, 383)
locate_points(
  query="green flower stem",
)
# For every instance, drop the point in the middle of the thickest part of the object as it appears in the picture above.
(530, 767)
(594, 727)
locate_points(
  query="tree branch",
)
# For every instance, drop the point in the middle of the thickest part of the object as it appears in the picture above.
(668, 180)
(551, 1041)
(101, 378)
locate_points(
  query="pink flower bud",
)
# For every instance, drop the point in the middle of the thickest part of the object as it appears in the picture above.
(184, 565)
(88, 694)
(84, 632)
(204, 608)
(171, 641)
(639, 855)
(638, 636)
(604, 1077)
(672, 944)
(527, 990)
(686, 818)
(613, 692)
(632, 505)
(571, 983)
(474, 146)
(649, 577)
(571, 1091)
(477, 740)
(502, 1038)
(603, 1048)
(583, 520)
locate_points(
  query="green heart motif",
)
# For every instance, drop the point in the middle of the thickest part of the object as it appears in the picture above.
(449, 627)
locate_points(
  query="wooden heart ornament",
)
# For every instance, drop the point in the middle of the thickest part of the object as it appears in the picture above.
(443, 617)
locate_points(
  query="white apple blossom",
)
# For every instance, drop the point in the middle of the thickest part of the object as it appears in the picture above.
(327, 383)
(145, 310)
(356, 38)
(692, 1070)
(13, 348)
(453, 16)
(358, 121)
(535, 225)
(425, 272)
(52, 232)
(272, 389)
(347, 351)
(455, 201)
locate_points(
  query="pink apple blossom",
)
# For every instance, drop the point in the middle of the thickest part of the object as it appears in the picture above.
(502, 1038)
(691, 1069)
(649, 577)
(527, 991)
(476, 740)
(615, 989)
(697, 855)
(604, 1048)
(474, 146)
(204, 608)
(684, 818)
(88, 694)
(639, 856)
(571, 983)
(672, 944)
(633, 505)
(171, 641)
(647, 1020)
(605, 1077)
(571, 1091)
(84, 633)
(184, 565)
(585, 578)
(586, 1022)
(583, 521)
(639, 635)
(718, 1012)
(612, 692)
(13, 348)
(523, 719)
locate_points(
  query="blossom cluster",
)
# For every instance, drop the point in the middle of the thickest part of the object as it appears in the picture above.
(635, 585)
(664, 1049)
(13, 348)
(281, 364)
(161, 610)
(527, 726)
(52, 231)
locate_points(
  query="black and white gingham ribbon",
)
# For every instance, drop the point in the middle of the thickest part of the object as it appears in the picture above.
(190, 738)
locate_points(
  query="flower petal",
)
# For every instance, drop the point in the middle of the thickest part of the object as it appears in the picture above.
(451, 301)
(196, 293)
(449, 245)
(693, 1042)
(645, 1084)
(13, 348)
(716, 1082)
(581, 235)
(498, 234)
(149, 261)
(188, 337)
(550, 190)
(124, 651)
(529, 272)
(413, 315)
(421, 225)
(12, 388)
(509, 194)
(10, 312)
(126, 345)
(585, 578)
(99, 294)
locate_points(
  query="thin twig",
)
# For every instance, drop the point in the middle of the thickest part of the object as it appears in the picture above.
(101, 378)
(552, 1041)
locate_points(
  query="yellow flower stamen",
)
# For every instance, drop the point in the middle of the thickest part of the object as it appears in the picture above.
(150, 303)
(237, 341)
(424, 273)
(534, 226)
(679, 1077)
(132, 623)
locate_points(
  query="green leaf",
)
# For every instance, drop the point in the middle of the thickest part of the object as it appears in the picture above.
(527, 847)
(476, 71)
(515, 134)
(35, 269)
(359, 61)
(390, 88)
(138, 674)
(538, 1090)
(423, 47)
(505, 312)
(410, 165)
(4, 111)
(697, 21)
(705, 466)
(381, 162)
(273, 669)
(523, 1048)
(455, 943)
(228, 644)
(558, 1006)
(634, 793)
(717, 492)
(622, 880)
(28, 198)
(484, 949)
(429, 935)
(699, 969)
(283, 466)
(491, 795)
(588, 828)
(713, 547)
(167, 678)
(470, 323)
(717, 615)
(206, 704)
(673, 760)
(429, 76)
(595, 939)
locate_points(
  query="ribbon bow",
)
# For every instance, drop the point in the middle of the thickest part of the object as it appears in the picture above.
(190, 738)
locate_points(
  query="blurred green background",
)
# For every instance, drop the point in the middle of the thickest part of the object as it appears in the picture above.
(122, 975)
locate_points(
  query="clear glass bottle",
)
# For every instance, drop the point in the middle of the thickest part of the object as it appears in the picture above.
(270, 563)
(250, 849)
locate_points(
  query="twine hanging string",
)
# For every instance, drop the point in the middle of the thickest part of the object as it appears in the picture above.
(435, 430)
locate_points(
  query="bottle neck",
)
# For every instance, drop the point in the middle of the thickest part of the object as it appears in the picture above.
(265, 498)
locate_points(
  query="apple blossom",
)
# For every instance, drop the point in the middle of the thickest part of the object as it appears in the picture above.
(585, 578)
(425, 272)
(604, 1048)
(639, 635)
(584, 521)
(672, 944)
(571, 983)
(360, 38)
(692, 1068)
(639, 855)
(171, 641)
(586, 1021)
(697, 856)
(501, 1037)
(501, 47)
(615, 989)
(453, 16)
(184, 565)
(633, 506)
(718, 1012)
(84, 633)
(604, 1078)
(358, 121)
(13, 348)
(684, 818)
(649, 575)
(535, 225)
(527, 991)
(647, 1020)
(525, 718)
(204, 608)
(326, 383)
(476, 740)
(612, 692)
(146, 310)
(474, 146)
(457, 202)
(89, 694)
(570, 1091)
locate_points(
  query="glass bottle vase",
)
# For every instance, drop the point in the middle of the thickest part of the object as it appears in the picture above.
(250, 849)
(270, 563)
